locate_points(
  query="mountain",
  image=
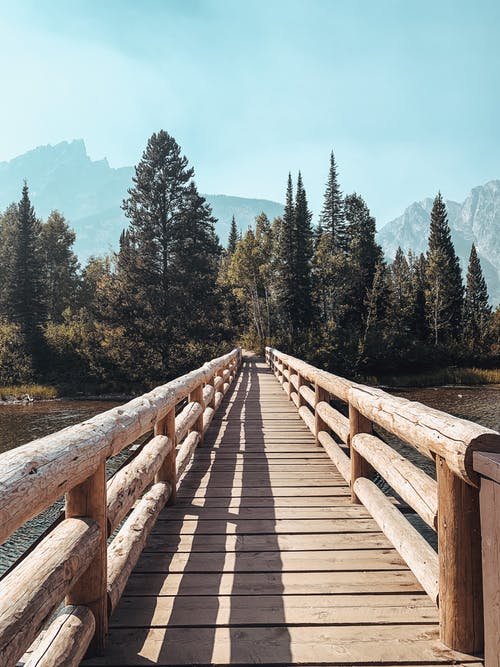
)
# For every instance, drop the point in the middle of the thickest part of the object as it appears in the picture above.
(89, 194)
(476, 220)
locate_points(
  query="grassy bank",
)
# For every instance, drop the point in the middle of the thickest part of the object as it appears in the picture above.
(37, 392)
(443, 376)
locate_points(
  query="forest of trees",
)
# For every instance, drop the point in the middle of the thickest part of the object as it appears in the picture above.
(172, 297)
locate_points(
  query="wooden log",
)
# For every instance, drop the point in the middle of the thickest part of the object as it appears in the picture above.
(307, 394)
(358, 423)
(430, 431)
(308, 417)
(335, 420)
(197, 396)
(334, 384)
(125, 549)
(129, 483)
(167, 472)
(337, 455)
(286, 388)
(218, 382)
(218, 399)
(294, 381)
(35, 475)
(186, 451)
(187, 418)
(34, 589)
(208, 395)
(225, 388)
(88, 500)
(413, 548)
(294, 397)
(208, 415)
(459, 546)
(320, 396)
(226, 374)
(286, 372)
(411, 483)
(66, 640)
(488, 465)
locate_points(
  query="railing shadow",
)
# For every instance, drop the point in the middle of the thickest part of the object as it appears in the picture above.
(219, 587)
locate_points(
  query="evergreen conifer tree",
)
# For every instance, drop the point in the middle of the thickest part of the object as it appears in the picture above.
(477, 311)
(24, 291)
(285, 253)
(60, 265)
(363, 254)
(164, 284)
(444, 292)
(303, 259)
(332, 218)
(233, 238)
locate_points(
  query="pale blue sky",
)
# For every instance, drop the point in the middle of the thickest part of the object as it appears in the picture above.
(406, 92)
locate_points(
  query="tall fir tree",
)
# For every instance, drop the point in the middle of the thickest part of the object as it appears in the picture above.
(285, 253)
(364, 254)
(477, 311)
(170, 234)
(332, 218)
(233, 238)
(24, 297)
(444, 292)
(60, 265)
(303, 259)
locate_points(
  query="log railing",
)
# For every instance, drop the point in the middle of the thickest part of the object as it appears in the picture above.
(450, 505)
(73, 562)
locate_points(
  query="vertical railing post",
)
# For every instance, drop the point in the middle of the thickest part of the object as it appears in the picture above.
(358, 423)
(197, 395)
(319, 425)
(460, 576)
(88, 499)
(211, 382)
(488, 466)
(167, 472)
(290, 387)
(300, 400)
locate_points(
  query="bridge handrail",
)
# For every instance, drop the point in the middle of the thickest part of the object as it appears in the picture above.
(73, 560)
(450, 505)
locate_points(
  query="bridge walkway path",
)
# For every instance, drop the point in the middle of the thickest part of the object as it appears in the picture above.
(263, 559)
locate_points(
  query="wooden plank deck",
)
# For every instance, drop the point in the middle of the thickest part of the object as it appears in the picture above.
(264, 560)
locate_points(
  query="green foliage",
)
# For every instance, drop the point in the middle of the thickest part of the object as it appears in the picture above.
(444, 289)
(477, 311)
(233, 238)
(332, 219)
(15, 362)
(21, 392)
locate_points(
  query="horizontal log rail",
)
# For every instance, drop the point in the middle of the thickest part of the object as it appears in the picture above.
(450, 505)
(73, 561)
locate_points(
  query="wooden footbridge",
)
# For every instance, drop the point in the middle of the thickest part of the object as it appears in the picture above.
(249, 526)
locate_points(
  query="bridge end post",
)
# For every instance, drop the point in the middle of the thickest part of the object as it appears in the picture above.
(89, 500)
(319, 425)
(460, 569)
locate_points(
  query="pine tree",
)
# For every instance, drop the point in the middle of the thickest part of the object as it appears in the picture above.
(285, 253)
(233, 238)
(164, 284)
(444, 293)
(303, 259)
(363, 254)
(477, 311)
(24, 295)
(60, 265)
(402, 296)
(332, 218)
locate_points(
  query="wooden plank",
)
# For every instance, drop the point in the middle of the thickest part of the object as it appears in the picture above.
(331, 645)
(265, 542)
(188, 513)
(272, 561)
(189, 611)
(280, 583)
(259, 527)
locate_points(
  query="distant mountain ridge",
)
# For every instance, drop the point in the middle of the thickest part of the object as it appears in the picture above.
(476, 220)
(89, 194)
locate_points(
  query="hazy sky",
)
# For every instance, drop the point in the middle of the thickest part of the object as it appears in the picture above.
(407, 92)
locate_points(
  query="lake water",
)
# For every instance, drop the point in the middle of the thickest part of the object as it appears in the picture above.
(21, 423)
